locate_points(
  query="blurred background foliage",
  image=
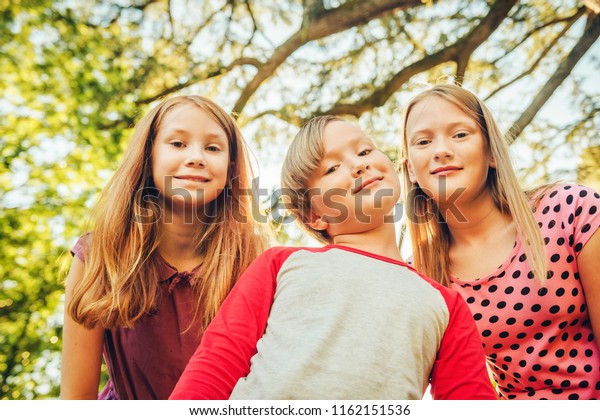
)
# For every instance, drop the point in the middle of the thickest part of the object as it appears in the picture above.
(77, 74)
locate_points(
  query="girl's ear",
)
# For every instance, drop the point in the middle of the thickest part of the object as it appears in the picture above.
(492, 162)
(411, 174)
(317, 222)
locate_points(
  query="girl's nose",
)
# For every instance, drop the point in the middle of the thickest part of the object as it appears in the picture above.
(443, 150)
(195, 158)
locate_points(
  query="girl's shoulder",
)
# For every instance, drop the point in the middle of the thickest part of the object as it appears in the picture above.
(553, 197)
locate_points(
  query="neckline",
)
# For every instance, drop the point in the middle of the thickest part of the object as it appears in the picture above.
(366, 254)
(494, 274)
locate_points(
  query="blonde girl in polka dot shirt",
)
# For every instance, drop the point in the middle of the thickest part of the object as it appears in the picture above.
(528, 265)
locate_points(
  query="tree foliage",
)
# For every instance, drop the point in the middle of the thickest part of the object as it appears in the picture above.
(78, 74)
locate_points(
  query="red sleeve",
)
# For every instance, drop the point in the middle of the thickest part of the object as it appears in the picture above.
(459, 372)
(229, 342)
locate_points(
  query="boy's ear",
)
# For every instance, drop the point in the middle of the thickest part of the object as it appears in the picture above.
(317, 222)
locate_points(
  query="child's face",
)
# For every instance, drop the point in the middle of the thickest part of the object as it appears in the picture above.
(448, 156)
(355, 186)
(190, 157)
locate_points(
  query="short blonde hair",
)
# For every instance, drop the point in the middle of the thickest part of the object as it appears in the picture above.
(301, 162)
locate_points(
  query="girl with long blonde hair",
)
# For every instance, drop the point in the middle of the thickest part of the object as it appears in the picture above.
(172, 232)
(526, 264)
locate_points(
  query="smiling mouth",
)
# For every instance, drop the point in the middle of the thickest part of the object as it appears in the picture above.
(445, 170)
(193, 178)
(367, 184)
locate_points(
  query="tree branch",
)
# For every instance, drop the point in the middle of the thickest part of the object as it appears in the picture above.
(590, 34)
(205, 76)
(464, 46)
(317, 26)
(543, 54)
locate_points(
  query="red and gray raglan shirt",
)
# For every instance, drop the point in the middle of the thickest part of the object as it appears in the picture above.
(337, 323)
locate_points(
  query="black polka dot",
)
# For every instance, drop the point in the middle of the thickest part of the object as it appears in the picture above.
(570, 258)
(528, 322)
(553, 194)
(521, 335)
(557, 391)
(551, 224)
(564, 275)
(556, 208)
(587, 368)
(542, 291)
(569, 199)
(549, 274)
(584, 384)
(566, 383)
(525, 291)
(536, 367)
(477, 317)
(560, 291)
(586, 227)
(522, 257)
(554, 309)
(529, 349)
(560, 241)
(470, 299)
(492, 288)
(511, 321)
(578, 211)
(536, 308)
(523, 363)
(546, 323)
(516, 274)
(538, 336)
(503, 334)
(589, 353)
(554, 258)
(515, 346)
(518, 306)
(553, 368)
(548, 382)
(509, 290)
(501, 304)
(530, 275)
(485, 302)
(593, 210)
(559, 353)
(573, 353)
(582, 193)
(486, 333)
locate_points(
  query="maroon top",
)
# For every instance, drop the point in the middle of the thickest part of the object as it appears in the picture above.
(145, 362)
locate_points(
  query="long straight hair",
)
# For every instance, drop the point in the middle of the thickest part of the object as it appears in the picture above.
(430, 236)
(121, 280)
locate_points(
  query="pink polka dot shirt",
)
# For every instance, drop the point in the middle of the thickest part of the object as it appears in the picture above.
(538, 338)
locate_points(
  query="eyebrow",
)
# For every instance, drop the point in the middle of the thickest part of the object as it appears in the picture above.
(210, 135)
(450, 126)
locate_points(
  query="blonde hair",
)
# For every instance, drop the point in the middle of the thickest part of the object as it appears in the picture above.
(430, 237)
(120, 284)
(301, 162)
